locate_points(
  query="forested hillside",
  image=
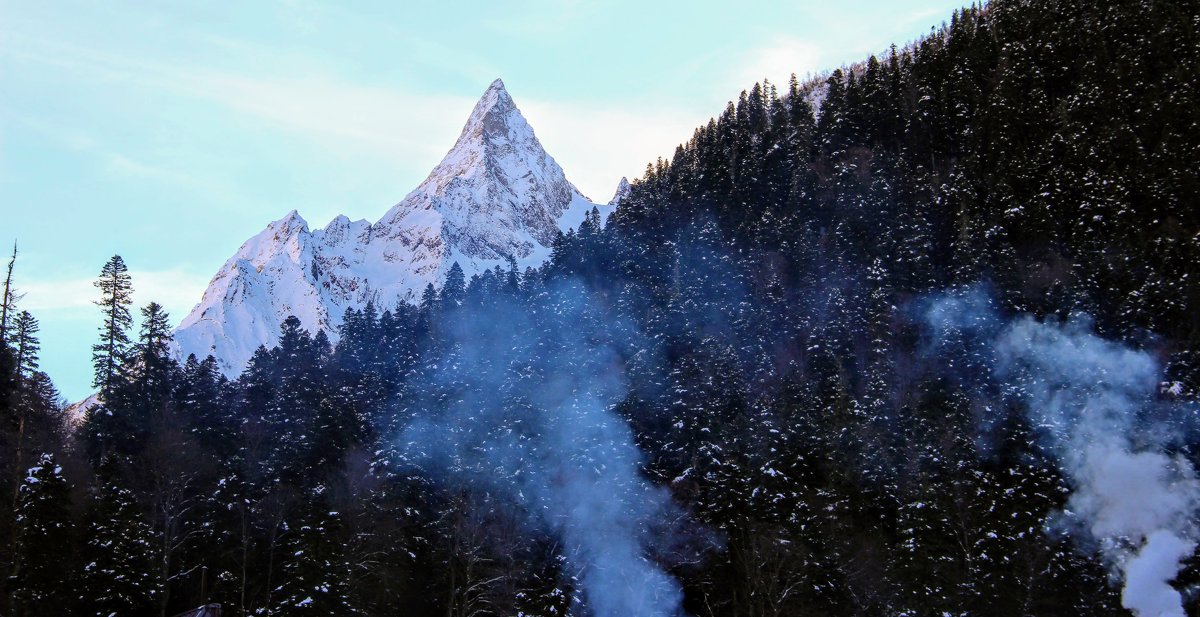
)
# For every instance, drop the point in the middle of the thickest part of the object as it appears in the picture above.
(930, 349)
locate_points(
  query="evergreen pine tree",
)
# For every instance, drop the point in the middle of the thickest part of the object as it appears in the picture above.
(118, 575)
(316, 572)
(41, 580)
(25, 344)
(154, 373)
(116, 291)
(454, 289)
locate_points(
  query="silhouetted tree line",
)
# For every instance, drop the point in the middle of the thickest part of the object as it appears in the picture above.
(823, 462)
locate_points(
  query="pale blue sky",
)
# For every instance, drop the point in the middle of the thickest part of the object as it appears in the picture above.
(170, 132)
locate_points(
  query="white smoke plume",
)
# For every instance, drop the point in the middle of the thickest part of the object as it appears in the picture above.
(526, 411)
(1089, 397)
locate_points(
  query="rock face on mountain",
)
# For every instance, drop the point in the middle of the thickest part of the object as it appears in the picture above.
(622, 192)
(497, 195)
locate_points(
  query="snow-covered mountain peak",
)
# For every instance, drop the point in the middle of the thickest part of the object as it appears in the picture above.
(623, 190)
(493, 117)
(289, 224)
(284, 236)
(496, 195)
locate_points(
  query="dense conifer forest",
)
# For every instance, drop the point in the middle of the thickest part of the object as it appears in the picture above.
(766, 386)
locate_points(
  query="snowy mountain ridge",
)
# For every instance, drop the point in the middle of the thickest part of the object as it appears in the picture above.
(496, 195)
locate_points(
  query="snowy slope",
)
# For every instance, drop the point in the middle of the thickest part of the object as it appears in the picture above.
(496, 195)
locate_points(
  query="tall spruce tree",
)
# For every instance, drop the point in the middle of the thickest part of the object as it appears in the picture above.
(153, 378)
(25, 344)
(454, 288)
(116, 295)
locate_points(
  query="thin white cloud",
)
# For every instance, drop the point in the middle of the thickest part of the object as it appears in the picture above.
(776, 61)
(316, 105)
(382, 119)
(121, 165)
(597, 144)
(176, 290)
(47, 295)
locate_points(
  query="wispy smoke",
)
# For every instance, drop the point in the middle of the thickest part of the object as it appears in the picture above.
(521, 404)
(1089, 398)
